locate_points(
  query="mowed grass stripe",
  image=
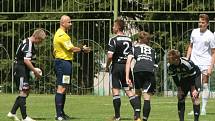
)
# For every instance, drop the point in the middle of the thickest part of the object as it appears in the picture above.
(99, 108)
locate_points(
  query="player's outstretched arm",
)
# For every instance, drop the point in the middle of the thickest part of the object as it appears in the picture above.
(75, 49)
(86, 49)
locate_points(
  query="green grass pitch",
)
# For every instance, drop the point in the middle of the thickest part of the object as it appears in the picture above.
(99, 108)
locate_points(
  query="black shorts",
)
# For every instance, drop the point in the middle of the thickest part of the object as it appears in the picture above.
(21, 76)
(146, 81)
(185, 84)
(117, 76)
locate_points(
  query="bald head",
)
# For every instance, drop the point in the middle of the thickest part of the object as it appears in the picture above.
(64, 18)
(65, 22)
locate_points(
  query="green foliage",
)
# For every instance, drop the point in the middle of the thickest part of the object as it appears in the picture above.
(205, 5)
(3, 17)
(4, 64)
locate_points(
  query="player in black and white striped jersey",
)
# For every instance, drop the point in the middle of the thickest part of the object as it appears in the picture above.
(187, 77)
(24, 63)
(119, 47)
(143, 70)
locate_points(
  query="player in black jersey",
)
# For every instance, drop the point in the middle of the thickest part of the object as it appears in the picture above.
(119, 47)
(186, 76)
(144, 78)
(24, 63)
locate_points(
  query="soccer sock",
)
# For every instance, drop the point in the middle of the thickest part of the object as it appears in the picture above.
(58, 103)
(15, 106)
(139, 95)
(205, 95)
(64, 100)
(181, 109)
(196, 110)
(146, 109)
(116, 105)
(22, 103)
(135, 103)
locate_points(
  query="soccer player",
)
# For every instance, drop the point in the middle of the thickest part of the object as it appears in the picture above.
(63, 53)
(119, 47)
(144, 78)
(23, 64)
(186, 76)
(202, 52)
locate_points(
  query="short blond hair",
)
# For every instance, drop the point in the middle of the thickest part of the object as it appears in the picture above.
(204, 17)
(39, 33)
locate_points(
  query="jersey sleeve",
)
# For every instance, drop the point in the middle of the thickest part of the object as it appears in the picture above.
(111, 46)
(27, 50)
(174, 75)
(193, 74)
(190, 68)
(155, 58)
(67, 44)
(191, 37)
(212, 41)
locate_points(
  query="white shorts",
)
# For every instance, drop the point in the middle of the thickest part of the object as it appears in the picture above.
(203, 69)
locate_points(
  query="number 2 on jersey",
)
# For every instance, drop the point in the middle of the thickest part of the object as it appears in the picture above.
(126, 48)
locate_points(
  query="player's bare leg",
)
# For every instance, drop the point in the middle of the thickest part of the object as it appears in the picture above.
(196, 107)
(138, 93)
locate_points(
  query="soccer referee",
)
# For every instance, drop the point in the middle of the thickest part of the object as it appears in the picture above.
(63, 53)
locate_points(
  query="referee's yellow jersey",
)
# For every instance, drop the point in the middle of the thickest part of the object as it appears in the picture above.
(62, 45)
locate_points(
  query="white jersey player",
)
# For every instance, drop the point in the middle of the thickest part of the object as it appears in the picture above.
(202, 52)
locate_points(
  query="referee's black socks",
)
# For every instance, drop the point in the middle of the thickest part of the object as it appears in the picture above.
(64, 100)
(59, 103)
